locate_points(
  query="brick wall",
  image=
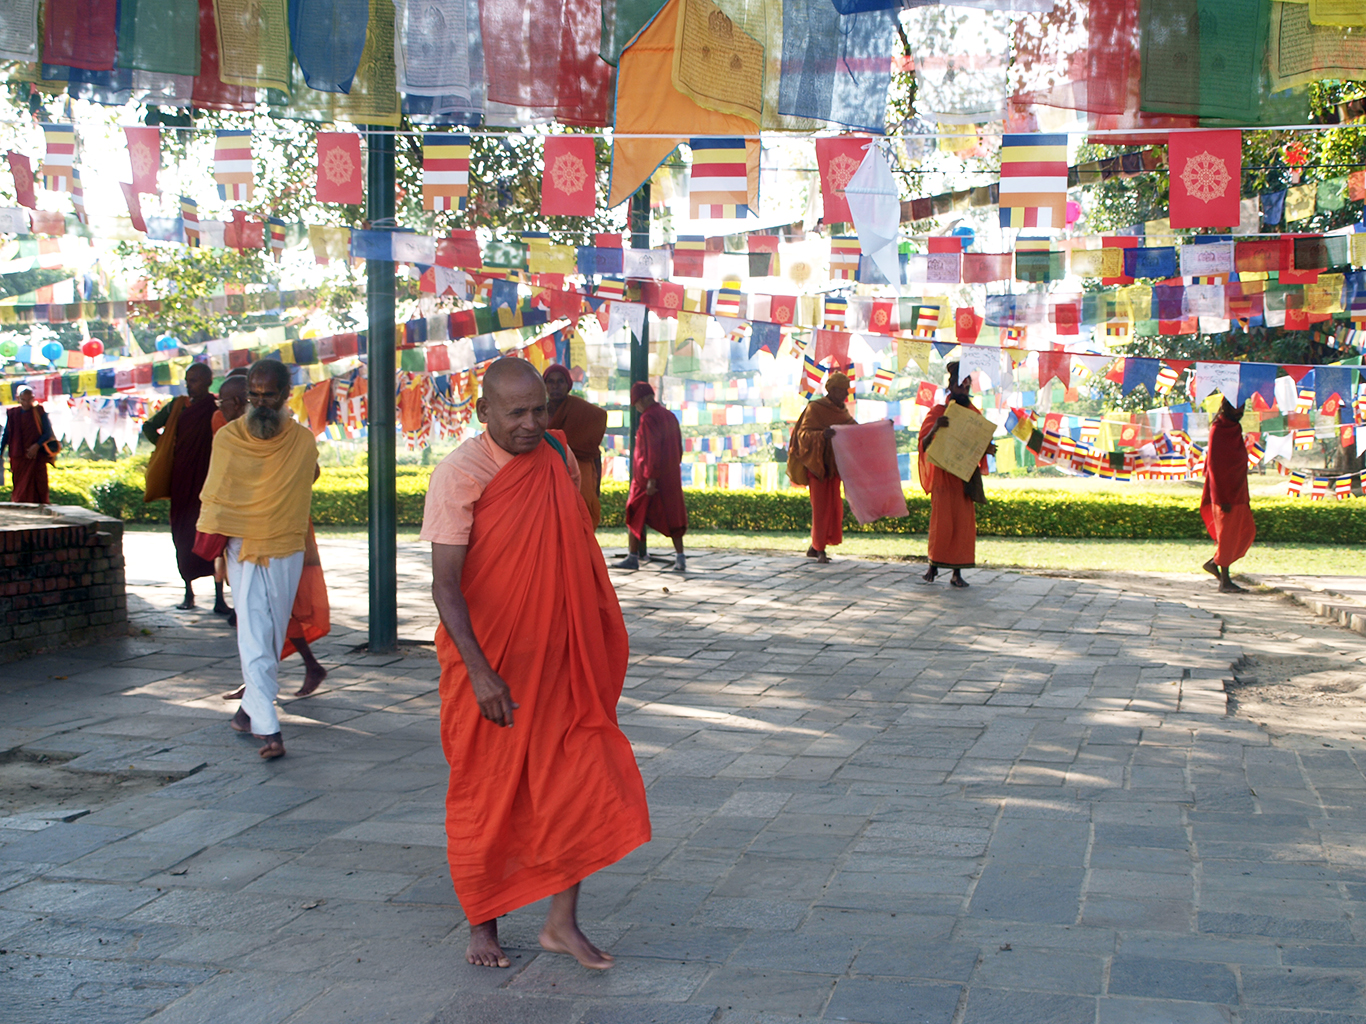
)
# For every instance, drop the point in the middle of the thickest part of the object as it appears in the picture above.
(61, 578)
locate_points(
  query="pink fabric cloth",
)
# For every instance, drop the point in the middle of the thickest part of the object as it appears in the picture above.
(866, 456)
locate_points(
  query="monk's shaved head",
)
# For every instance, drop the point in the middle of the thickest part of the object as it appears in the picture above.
(232, 396)
(513, 405)
(506, 372)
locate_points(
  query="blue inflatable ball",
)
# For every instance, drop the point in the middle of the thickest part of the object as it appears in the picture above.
(52, 351)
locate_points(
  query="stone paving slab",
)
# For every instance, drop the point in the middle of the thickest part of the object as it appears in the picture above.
(872, 800)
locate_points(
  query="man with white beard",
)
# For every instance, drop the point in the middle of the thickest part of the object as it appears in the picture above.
(257, 498)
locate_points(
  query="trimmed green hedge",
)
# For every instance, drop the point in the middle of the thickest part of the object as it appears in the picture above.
(341, 498)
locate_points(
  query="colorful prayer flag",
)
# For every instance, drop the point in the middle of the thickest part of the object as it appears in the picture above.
(838, 158)
(1206, 178)
(277, 236)
(569, 179)
(718, 185)
(341, 178)
(22, 171)
(835, 308)
(445, 171)
(882, 381)
(144, 157)
(690, 255)
(811, 376)
(60, 159)
(130, 195)
(232, 166)
(78, 196)
(189, 215)
(1033, 190)
(844, 257)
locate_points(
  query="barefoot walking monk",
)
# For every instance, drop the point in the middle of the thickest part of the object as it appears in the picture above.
(655, 498)
(257, 495)
(583, 424)
(953, 509)
(544, 789)
(1225, 505)
(811, 459)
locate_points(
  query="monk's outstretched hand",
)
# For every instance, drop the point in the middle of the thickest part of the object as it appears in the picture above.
(494, 697)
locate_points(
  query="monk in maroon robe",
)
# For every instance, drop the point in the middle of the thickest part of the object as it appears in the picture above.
(656, 495)
(189, 466)
(27, 430)
(1225, 504)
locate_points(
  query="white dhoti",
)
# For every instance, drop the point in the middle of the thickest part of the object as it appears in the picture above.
(263, 597)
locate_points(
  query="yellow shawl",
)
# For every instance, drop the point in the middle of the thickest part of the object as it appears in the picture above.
(259, 490)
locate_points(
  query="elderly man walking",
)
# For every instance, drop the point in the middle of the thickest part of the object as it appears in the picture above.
(257, 496)
(186, 423)
(544, 788)
(28, 436)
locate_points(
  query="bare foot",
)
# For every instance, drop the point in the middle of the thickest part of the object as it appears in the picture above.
(822, 558)
(811, 552)
(240, 722)
(1211, 568)
(930, 574)
(957, 581)
(185, 605)
(1231, 588)
(313, 678)
(483, 950)
(235, 694)
(275, 747)
(574, 943)
(220, 607)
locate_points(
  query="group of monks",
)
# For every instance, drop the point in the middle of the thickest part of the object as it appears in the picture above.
(1225, 505)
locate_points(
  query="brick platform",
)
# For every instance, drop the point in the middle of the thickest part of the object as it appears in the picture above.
(61, 578)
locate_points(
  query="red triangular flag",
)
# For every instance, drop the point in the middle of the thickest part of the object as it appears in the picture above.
(1296, 373)
(23, 180)
(130, 193)
(1206, 176)
(569, 182)
(340, 176)
(1055, 365)
(144, 155)
(838, 158)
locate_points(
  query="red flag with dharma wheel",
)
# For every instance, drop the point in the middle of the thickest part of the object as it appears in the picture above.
(966, 324)
(1206, 173)
(838, 158)
(340, 173)
(569, 184)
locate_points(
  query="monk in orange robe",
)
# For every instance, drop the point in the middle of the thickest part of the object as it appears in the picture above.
(1225, 505)
(811, 461)
(953, 509)
(544, 788)
(583, 424)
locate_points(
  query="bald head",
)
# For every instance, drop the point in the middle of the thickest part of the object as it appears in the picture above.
(232, 396)
(513, 405)
(198, 377)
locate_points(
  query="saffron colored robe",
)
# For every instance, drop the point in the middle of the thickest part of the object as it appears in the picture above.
(1226, 484)
(537, 807)
(25, 427)
(953, 515)
(657, 455)
(810, 455)
(311, 616)
(583, 425)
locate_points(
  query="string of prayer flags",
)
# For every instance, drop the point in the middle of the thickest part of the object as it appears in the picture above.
(144, 157)
(189, 215)
(232, 166)
(340, 178)
(718, 185)
(1033, 192)
(569, 178)
(445, 171)
(1206, 179)
(60, 159)
(22, 172)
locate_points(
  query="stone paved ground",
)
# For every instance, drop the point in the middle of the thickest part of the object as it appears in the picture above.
(873, 801)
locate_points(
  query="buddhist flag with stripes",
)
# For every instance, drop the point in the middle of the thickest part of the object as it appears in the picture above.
(232, 166)
(277, 236)
(445, 171)
(1167, 378)
(835, 308)
(844, 256)
(812, 375)
(724, 179)
(60, 161)
(1033, 192)
(189, 216)
(78, 196)
(882, 381)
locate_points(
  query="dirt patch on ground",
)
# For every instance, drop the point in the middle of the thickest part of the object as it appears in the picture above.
(29, 784)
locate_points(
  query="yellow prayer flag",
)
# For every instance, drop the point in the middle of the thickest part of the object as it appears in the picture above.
(1324, 295)
(906, 350)
(1299, 202)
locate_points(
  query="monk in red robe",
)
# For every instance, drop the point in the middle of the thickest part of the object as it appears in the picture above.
(1225, 505)
(583, 424)
(953, 508)
(656, 495)
(544, 788)
(811, 462)
(27, 433)
(193, 442)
